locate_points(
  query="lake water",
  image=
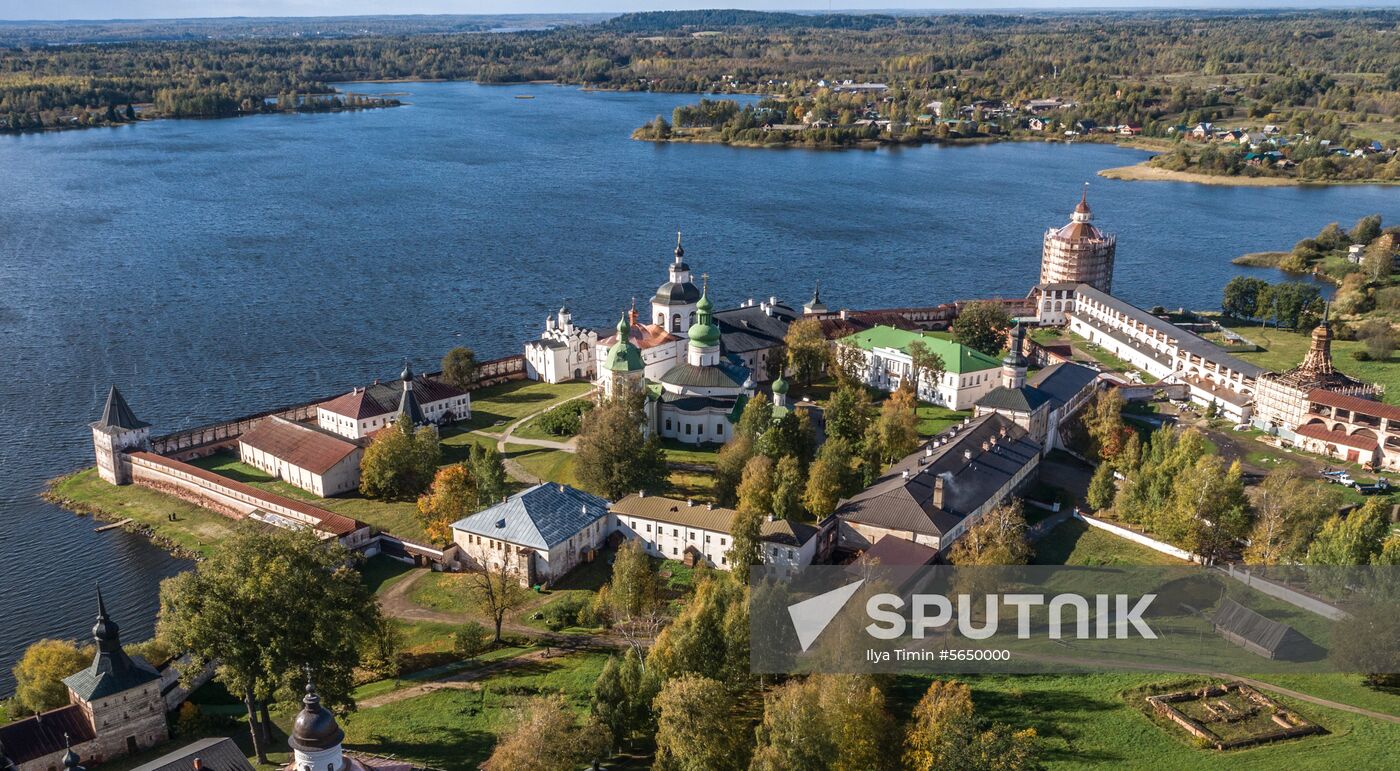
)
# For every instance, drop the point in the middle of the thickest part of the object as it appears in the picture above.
(212, 268)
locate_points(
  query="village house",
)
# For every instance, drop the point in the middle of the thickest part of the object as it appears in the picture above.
(933, 496)
(968, 374)
(538, 534)
(693, 532)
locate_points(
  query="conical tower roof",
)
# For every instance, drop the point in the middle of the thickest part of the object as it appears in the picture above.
(112, 670)
(408, 401)
(117, 415)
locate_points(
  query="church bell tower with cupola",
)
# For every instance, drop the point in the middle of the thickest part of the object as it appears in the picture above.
(116, 432)
(673, 307)
(316, 736)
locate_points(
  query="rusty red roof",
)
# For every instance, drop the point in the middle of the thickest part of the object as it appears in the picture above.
(1354, 403)
(328, 521)
(1319, 431)
(298, 444)
(44, 734)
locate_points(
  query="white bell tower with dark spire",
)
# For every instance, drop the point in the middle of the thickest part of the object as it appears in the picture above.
(316, 736)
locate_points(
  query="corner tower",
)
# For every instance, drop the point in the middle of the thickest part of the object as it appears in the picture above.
(1079, 253)
(117, 431)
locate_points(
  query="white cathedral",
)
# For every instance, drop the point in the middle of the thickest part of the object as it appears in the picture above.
(695, 388)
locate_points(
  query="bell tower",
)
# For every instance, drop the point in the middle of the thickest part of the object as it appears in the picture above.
(316, 736)
(117, 431)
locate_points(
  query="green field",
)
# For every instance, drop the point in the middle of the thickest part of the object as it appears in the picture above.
(496, 407)
(547, 464)
(455, 729)
(1075, 543)
(1088, 721)
(1284, 350)
(934, 419)
(194, 531)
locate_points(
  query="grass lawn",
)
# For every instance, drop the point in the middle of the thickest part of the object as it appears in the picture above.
(1284, 350)
(455, 729)
(457, 442)
(379, 573)
(1099, 720)
(934, 419)
(1075, 543)
(549, 465)
(496, 407)
(690, 484)
(681, 452)
(454, 592)
(195, 530)
(397, 517)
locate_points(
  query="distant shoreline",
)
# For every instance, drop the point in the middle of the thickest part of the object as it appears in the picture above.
(1141, 172)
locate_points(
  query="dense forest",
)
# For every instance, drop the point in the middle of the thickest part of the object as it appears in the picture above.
(1325, 72)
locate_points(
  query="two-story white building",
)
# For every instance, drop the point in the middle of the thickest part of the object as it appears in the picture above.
(313, 459)
(692, 532)
(967, 374)
(540, 533)
(365, 410)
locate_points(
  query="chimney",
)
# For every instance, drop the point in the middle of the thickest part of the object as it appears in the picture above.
(967, 454)
(689, 502)
(641, 493)
(198, 764)
(561, 488)
(938, 489)
(844, 314)
(904, 474)
(709, 507)
(928, 451)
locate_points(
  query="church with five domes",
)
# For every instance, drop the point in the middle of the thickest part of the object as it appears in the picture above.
(696, 366)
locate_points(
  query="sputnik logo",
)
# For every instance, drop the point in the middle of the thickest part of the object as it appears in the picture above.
(811, 616)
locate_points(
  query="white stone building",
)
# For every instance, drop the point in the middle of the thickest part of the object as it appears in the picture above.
(1165, 351)
(692, 532)
(115, 709)
(115, 433)
(968, 374)
(540, 533)
(565, 351)
(313, 459)
(365, 410)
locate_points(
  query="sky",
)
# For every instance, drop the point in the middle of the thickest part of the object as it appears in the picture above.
(171, 9)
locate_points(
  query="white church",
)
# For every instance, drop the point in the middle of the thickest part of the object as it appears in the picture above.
(696, 388)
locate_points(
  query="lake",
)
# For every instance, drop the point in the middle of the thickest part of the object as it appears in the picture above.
(211, 268)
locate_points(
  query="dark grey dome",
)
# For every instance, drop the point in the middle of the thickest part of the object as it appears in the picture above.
(315, 728)
(671, 293)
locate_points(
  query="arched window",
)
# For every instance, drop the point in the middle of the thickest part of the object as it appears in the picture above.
(676, 323)
(661, 320)
(692, 317)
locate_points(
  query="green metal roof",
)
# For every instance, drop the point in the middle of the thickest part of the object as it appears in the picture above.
(957, 358)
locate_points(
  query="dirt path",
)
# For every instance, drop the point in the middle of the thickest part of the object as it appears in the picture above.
(1292, 694)
(396, 603)
(513, 468)
(460, 681)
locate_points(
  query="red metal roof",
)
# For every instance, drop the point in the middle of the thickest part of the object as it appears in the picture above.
(44, 734)
(301, 446)
(329, 521)
(1354, 403)
(1319, 431)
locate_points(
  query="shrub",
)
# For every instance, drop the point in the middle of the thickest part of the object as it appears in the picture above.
(567, 611)
(1361, 355)
(566, 419)
(471, 640)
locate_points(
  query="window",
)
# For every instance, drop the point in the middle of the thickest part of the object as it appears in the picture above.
(719, 429)
(668, 424)
(675, 531)
(721, 540)
(648, 527)
(707, 538)
(674, 551)
(687, 429)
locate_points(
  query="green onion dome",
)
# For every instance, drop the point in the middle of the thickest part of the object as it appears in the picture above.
(780, 386)
(623, 356)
